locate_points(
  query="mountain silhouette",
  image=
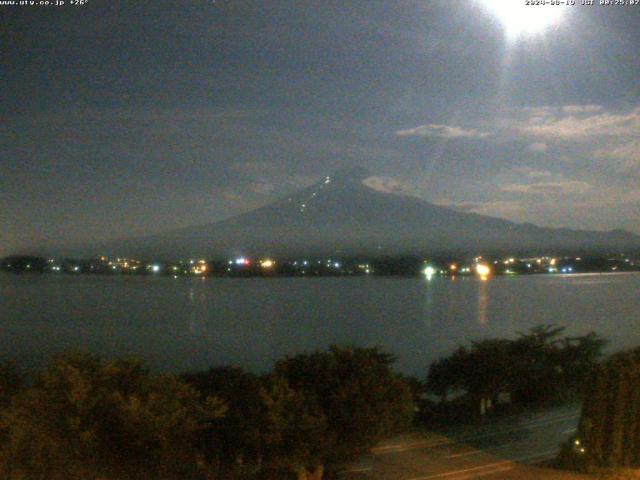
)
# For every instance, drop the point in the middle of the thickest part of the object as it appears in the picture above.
(340, 214)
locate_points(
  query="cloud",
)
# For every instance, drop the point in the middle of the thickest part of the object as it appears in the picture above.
(553, 111)
(579, 126)
(605, 196)
(578, 109)
(532, 172)
(560, 187)
(232, 196)
(495, 208)
(538, 147)
(628, 153)
(526, 180)
(441, 131)
(387, 185)
(539, 112)
(543, 126)
(582, 134)
(262, 187)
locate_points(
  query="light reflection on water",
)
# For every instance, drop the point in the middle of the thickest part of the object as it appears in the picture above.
(483, 300)
(188, 323)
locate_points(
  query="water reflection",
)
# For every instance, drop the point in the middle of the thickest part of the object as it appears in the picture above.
(198, 311)
(483, 300)
(428, 304)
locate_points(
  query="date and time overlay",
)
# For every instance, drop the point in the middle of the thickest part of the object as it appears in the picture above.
(528, 3)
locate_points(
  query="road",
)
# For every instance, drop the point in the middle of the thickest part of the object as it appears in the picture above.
(491, 449)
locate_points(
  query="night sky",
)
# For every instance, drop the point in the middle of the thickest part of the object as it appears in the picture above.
(124, 118)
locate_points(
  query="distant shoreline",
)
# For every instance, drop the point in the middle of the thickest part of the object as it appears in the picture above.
(314, 277)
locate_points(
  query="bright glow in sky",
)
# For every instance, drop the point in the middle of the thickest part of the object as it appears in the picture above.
(519, 19)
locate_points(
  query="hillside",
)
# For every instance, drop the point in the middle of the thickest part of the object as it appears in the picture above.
(340, 214)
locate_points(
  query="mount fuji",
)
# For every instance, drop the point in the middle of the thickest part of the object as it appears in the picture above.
(340, 214)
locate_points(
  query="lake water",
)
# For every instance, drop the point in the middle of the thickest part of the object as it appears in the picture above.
(191, 323)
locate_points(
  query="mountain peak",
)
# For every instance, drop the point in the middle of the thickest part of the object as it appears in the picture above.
(341, 213)
(349, 175)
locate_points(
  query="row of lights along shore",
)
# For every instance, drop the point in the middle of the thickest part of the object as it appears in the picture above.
(482, 267)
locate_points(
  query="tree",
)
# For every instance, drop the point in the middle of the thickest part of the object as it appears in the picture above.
(482, 371)
(89, 418)
(11, 382)
(296, 440)
(536, 367)
(269, 430)
(609, 429)
(234, 442)
(361, 397)
(579, 356)
(441, 378)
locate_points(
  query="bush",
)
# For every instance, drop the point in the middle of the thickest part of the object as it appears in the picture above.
(361, 397)
(609, 430)
(87, 418)
(11, 382)
(232, 444)
(536, 368)
(296, 434)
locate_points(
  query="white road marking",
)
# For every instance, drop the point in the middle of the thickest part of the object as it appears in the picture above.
(494, 471)
(465, 454)
(490, 468)
(357, 470)
(410, 446)
(466, 470)
(397, 448)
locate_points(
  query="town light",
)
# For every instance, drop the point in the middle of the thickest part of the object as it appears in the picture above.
(201, 268)
(429, 272)
(483, 270)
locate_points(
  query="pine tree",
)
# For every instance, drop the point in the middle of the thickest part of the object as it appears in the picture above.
(609, 431)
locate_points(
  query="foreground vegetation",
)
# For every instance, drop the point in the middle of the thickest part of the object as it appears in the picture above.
(538, 368)
(608, 438)
(84, 417)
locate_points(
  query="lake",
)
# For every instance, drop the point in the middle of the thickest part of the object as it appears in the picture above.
(193, 323)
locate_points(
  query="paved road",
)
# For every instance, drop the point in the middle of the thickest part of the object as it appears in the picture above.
(471, 452)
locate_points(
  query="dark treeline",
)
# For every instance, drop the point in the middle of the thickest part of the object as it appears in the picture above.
(608, 435)
(84, 417)
(539, 367)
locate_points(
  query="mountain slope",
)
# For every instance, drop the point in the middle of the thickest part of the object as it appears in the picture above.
(340, 214)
